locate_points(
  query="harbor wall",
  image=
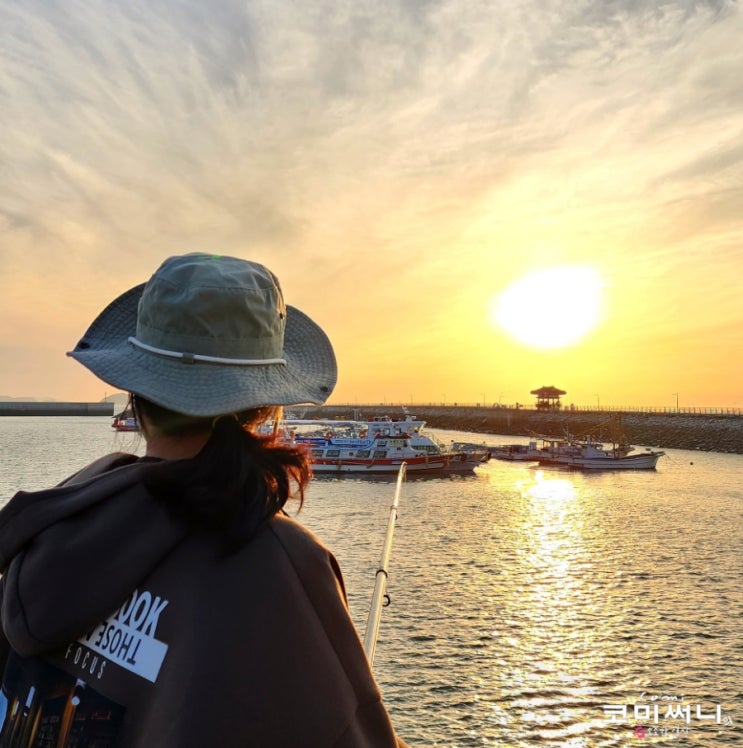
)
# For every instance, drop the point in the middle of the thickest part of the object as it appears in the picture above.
(709, 433)
(32, 408)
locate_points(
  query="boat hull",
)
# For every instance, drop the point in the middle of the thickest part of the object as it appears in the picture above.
(454, 464)
(577, 456)
(628, 462)
(605, 461)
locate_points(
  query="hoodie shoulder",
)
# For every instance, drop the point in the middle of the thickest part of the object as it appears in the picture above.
(101, 465)
(311, 559)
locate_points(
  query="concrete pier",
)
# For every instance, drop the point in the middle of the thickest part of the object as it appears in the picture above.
(32, 408)
(709, 433)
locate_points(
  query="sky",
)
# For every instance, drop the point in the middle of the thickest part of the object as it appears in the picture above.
(399, 165)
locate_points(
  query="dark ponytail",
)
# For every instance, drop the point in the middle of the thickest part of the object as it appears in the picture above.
(238, 481)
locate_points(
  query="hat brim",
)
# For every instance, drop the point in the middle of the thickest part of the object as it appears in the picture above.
(201, 388)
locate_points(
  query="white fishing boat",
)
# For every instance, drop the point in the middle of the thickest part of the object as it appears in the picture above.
(590, 454)
(515, 452)
(582, 454)
(367, 447)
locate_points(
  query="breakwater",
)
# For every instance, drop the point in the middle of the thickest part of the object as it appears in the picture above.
(709, 433)
(33, 408)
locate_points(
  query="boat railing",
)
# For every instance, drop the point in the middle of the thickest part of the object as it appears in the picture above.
(380, 598)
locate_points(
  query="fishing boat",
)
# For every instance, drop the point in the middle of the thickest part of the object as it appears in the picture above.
(581, 454)
(515, 452)
(125, 421)
(589, 454)
(364, 447)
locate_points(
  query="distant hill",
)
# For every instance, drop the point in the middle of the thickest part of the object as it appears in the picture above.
(119, 399)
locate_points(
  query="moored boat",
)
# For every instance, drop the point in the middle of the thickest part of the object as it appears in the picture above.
(515, 452)
(591, 454)
(368, 447)
(581, 454)
(647, 460)
(125, 421)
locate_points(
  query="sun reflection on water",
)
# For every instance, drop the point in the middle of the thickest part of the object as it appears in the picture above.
(553, 683)
(552, 535)
(550, 488)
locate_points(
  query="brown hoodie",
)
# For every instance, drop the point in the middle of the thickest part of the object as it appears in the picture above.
(122, 626)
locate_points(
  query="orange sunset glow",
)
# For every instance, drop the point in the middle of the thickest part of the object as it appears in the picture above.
(473, 200)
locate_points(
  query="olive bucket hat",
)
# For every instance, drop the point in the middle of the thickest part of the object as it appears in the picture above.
(209, 335)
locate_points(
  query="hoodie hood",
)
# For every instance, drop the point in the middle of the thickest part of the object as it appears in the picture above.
(71, 555)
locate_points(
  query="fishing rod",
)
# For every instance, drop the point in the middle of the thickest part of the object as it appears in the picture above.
(380, 599)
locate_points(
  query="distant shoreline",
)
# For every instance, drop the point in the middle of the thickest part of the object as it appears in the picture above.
(34, 408)
(707, 433)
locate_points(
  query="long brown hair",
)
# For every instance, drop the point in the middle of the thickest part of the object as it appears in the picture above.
(238, 481)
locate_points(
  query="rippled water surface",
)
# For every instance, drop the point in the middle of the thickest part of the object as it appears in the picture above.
(530, 607)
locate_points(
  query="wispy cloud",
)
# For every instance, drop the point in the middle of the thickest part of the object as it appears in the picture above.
(342, 141)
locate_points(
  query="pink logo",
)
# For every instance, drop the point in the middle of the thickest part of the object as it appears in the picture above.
(640, 731)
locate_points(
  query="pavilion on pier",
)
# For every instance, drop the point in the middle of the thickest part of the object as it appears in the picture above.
(548, 398)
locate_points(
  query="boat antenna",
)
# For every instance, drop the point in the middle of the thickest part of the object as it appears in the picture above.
(380, 598)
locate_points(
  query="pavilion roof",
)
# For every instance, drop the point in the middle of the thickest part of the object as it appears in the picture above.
(548, 392)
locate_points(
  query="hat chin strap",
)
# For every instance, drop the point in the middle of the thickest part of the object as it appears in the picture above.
(191, 357)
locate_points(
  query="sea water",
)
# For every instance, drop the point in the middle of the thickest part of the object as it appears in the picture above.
(529, 607)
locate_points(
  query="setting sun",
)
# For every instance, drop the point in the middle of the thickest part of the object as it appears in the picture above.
(551, 308)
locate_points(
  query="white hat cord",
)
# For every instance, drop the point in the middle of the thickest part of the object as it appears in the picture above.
(191, 357)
